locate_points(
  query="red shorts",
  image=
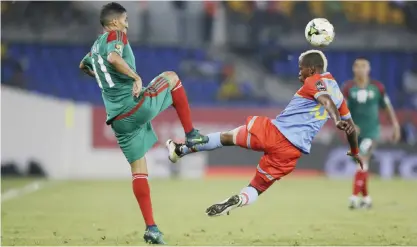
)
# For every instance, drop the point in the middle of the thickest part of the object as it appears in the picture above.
(280, 156)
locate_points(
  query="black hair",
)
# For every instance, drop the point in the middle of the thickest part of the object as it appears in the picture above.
(313, 60)
(109, 11)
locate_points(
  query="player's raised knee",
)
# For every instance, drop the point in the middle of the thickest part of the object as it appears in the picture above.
(171, 77)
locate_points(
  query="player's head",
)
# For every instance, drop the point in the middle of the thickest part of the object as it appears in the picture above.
(113, 16)
(311, 62)
(361, 68)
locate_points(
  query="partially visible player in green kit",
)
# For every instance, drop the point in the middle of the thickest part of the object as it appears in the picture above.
(365, 98)
(130, 107)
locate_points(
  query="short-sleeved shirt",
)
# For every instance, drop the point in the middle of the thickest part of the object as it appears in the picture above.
(302, 119)
(116, 88)
(364, 104)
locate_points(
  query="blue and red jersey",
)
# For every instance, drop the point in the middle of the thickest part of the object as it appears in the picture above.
(302, 119)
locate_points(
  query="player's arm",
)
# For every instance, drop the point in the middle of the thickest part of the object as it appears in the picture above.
(86, 65)
(326, 101)
(343, 121)
(116, 41)
(353, 143)
(385, 103)
(351, 136)
(317, 90)
(121, 66)
(393, 117)
(391, 112)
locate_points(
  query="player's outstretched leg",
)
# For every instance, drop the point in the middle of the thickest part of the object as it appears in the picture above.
(180, 103)
(215, 140)
(279, 159)
(247, 196)
(143, 196)
(239, 136)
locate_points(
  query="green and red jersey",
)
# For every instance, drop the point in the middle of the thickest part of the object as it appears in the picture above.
(364, 104)
(116, 88)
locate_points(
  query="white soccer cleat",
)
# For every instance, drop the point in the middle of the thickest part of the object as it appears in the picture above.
(224, 207)
(353, 202)
(172, 155)
(366, 202)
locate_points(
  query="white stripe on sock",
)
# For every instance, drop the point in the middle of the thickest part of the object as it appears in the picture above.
(175, 88)
(139, 176)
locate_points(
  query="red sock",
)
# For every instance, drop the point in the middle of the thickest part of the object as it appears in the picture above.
(358, 183)
(180, 102)
(143, 196)
(365, 183)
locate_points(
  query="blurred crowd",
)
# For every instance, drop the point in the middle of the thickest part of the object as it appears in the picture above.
(362, 12)
(259, 19)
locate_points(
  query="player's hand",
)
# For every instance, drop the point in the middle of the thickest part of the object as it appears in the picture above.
(396, 135)
(344, 125)
(341, 124)
(137, 87)
(356, 158)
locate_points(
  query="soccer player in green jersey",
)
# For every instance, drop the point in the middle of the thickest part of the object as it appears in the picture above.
(130, 107)
(365, 98)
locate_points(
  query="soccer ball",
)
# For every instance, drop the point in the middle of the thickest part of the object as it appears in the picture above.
(319, 32)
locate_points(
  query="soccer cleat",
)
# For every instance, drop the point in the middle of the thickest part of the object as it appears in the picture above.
(174, 153)
(224, 207)
(366, 205)
(352, 206)
(194, 138)
(366, 202)
(153, 236)
(353, 202)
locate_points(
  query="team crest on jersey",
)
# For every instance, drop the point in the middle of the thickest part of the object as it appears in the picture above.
(320, 86)
(362, 96)
(119, 48)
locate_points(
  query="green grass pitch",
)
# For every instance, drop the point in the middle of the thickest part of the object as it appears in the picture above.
(295, 211)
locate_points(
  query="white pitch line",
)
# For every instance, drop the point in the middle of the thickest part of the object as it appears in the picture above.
(14, 193)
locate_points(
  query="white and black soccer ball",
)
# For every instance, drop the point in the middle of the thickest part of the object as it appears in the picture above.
(319, 32)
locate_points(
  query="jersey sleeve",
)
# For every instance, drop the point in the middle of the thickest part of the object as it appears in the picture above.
(345, 89)
(116, 42)
(87, 61)
(384, 99)
(313, 88)
(344, 111)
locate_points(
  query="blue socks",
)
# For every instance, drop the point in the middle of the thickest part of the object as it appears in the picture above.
(213, 143)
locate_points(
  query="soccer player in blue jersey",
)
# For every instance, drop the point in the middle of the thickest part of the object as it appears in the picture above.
(286, 137)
